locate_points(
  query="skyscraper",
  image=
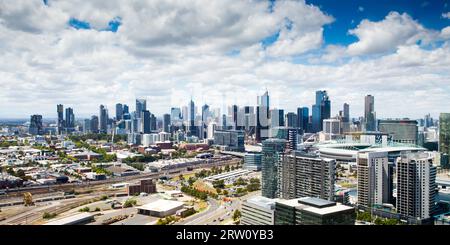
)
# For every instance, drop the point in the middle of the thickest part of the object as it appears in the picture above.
(175, 113)
(290, 134)
(234, 115)
(272, 151)
(263, 100)
(262, 117)
(126, 110)
(303, 118)
(306, 175)
(205, 113)
(416, 186)
(70, 120)
(249, 120)
(444, 139)
(153, 122)
(428, 121)
(94, 124)
(166, 123)
(36, 127)
(141, 105)
(369, 113)
(86, 126)
(191, 121)
(346, 110)
(204, 122)
(276, 118)
(146, 122)
(60, 111)
(119, 112)
(291, 120)
(321, 110)
(375, 180)
(103, 122)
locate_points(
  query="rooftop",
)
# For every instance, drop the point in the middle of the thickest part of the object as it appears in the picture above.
(316, 202)
(328, 210)
(71, 219)
(263, 202)
(162, 205)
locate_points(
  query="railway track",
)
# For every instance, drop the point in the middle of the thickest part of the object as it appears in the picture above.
(36, 216)
(71, 186)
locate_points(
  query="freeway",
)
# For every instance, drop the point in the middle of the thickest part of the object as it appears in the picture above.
(218, 212)
(213, 205)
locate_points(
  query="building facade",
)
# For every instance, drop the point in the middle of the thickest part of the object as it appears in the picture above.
(416, 186)
(375, 179)
(272, 155)
(258, 211)
(401, 130)
(232, 140)
(312, 211)
(444, 139)
(306, 175)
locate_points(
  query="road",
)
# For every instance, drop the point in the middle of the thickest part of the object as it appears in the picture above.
(218, 211)
(197, 218)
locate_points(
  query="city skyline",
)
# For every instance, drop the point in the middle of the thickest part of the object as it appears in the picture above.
(96, 54)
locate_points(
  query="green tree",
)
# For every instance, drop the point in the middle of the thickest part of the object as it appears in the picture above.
(240, 181)
(85, 209)
(129, 203)
(378, 221)
(364, 216)
(218, 184)
(225, 193)
(47, 215)
(236, 215)
(191, 181)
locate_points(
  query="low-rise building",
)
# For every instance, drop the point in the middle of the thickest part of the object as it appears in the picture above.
(313, 211)
(160, 208)
(146, 185)
(258, 210)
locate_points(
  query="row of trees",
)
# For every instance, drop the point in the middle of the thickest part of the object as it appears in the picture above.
(215, 170)
(168, 220)
(202, 195)
(143, 159)
(19, 173)
(8, 143)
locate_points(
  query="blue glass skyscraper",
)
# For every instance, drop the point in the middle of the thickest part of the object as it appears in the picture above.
(321, 110)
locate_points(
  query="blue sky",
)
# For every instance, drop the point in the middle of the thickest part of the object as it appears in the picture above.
(348, 14)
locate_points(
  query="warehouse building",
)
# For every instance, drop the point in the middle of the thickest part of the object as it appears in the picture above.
(160, 208)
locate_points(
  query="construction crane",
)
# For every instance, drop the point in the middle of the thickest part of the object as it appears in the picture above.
(27, 199)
